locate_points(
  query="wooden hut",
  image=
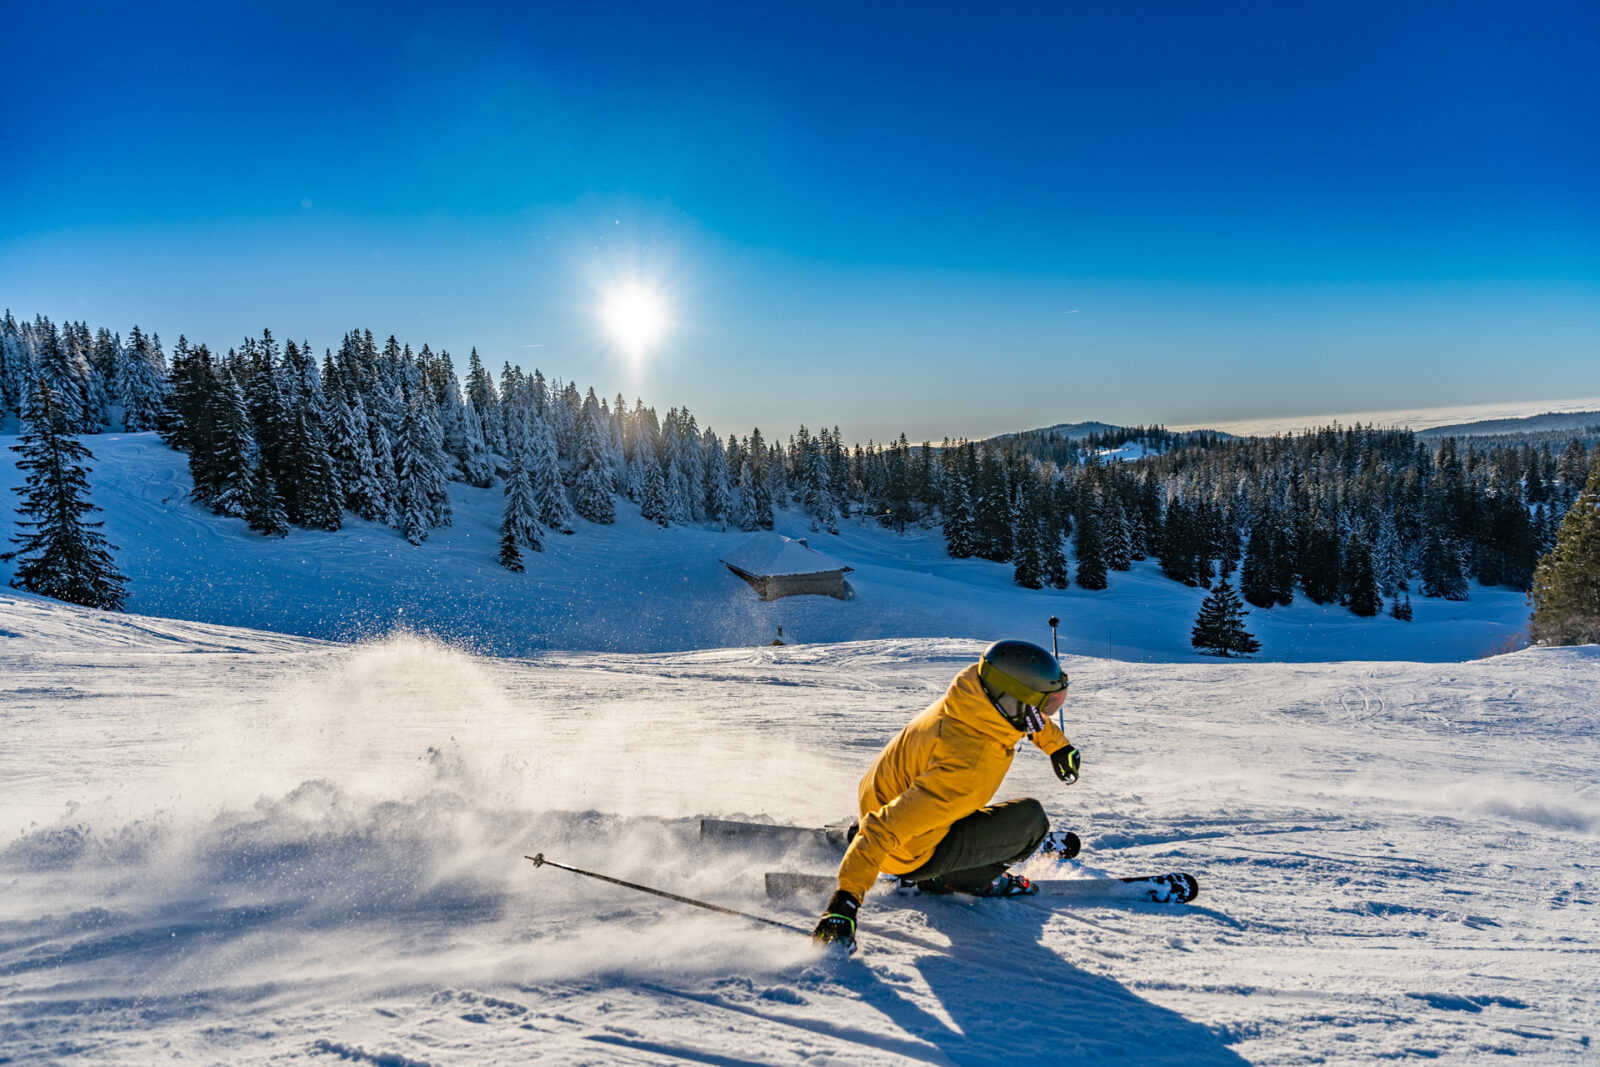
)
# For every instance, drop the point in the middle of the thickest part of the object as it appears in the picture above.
(778, 566)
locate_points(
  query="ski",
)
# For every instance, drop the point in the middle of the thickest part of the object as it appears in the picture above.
(1176, 888)
(1059, 844)
(836, 834)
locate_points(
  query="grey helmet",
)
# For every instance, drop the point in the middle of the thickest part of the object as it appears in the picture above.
(1025, 672)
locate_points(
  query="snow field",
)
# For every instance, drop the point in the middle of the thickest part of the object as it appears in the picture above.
(239, 846)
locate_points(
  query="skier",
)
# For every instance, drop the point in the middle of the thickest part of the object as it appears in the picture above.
(922, 803)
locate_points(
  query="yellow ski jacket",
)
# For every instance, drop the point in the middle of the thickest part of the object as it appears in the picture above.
(945, 765)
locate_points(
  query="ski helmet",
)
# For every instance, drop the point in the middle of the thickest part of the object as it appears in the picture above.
(1027, 673)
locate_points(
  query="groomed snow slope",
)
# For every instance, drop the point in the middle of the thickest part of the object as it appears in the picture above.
(231, 846)
(633, 587)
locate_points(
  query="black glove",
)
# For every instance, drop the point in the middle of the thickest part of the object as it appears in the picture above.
(1065, 761)
(838, 923)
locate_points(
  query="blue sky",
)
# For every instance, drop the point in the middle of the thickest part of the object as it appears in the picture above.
(939, 219)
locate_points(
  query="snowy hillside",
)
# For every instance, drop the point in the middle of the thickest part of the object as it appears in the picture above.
(230, 846)
(635, 587)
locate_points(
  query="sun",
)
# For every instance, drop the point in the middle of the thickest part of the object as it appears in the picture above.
(636, 318)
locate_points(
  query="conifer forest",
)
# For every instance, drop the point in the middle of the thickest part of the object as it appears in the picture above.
(1360, 516)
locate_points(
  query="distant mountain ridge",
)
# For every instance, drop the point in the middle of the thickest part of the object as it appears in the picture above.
(1549, 421)
(1553, 420)
(1073, 431)
(1077, 431)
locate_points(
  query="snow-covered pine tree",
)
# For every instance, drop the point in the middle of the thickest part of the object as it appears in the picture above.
(617, 428)
(592, 463)
(544, 475)
(451, 414)
(1227, 543)
(519, 527)
(1180, 550)
(646, 431)
(718, 494)
(565, 412)
(105, 359)
(1029, 569)
(509, 556)
(439, 490)
(755, 494)
(1388, 559)
(100, 363)
(234, 457)
(1319, 560)
(1219, 628)
(960, 535)
(264, 395)
(1361, 578)
(1283, 565)
(1572, 472)
(65, 556)
(677, 492)
(204, 404)
(1116, 535)
(516, 419)
(777, 464)
(898, 511)
(688, 458)
(142, 381)
(1401, 609)
(1054, 555)
(1441, 572)
(482, 398)
(420, 475)
(307, 475)
(927, 483)
(814, 481)
(653, 497)
(387, 469)
(351, 443)
(1566, 585)
(1090, 542)
(633, 477)
(264, 509)
(476, 462)
(991, 504)
(59, 362)
(16, 367)
(1255, 576)
(386, 398)
(538, 394)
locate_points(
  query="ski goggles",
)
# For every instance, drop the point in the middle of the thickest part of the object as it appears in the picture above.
(1047, 703)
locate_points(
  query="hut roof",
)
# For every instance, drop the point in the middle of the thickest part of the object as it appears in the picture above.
(770, 555)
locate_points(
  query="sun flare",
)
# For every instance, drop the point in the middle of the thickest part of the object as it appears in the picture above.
(636, 318)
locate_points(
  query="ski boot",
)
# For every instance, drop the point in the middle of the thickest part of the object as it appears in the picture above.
(1004, 885)
(1007, 885)
(932, 886)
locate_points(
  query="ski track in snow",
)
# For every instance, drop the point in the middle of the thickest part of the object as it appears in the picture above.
(238, 846)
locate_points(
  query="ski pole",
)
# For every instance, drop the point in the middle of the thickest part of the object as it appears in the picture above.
(540, 861)
(1055, 649)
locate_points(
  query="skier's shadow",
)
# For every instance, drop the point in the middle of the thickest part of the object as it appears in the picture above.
(1015, 1000)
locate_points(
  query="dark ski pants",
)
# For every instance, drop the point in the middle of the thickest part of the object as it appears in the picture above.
(980, 847)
